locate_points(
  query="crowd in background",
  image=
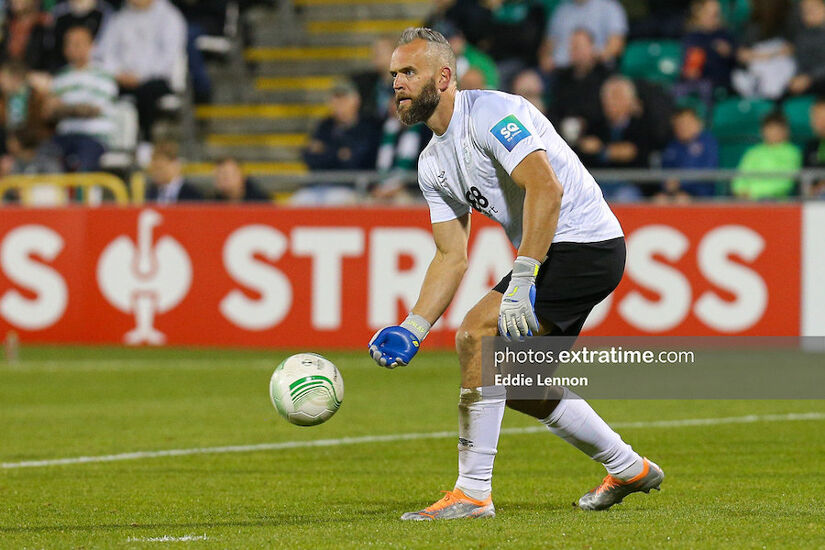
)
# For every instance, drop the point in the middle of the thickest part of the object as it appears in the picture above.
(74, 74)
(77, 77)
(568, 58)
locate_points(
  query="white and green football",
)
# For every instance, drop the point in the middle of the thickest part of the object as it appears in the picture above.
(306, 389)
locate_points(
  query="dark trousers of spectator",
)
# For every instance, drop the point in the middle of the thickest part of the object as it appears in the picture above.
(81, 153)
(146, 97)
(201, 84)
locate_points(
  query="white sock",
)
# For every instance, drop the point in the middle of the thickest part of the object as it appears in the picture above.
(575, 421)
(480, 411)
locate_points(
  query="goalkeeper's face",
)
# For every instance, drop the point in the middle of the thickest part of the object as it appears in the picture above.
(415, 109)
(414, 74)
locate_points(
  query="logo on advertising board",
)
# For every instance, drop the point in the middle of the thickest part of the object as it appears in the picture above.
(144, 278)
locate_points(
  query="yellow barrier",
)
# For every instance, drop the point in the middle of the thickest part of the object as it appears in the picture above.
(26, 182)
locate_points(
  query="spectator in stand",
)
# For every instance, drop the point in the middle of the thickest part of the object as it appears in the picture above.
(203, 17)
(774, 154)
(815, 148)
(166, 182)
(516, 33)
(765, 56)
(469, 57)
(471, 17)
(83, 99)
(472, 79)
(708, 50)
(397, 157)
(622, 139)
(232, 186)
(605, 20)
(91, 14)
(657, 19)
(342, 141)
(25, 35)
(575, 106)
(375, 85)
(529, 85)
(809, 50)
(21, 104)
(142, 45)
(693, 147)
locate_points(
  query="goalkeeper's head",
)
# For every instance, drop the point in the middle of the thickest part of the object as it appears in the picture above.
(423, 67)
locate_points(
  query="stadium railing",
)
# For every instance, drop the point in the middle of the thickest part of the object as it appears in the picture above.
(364, 180)
(94, 184)
(44, 189)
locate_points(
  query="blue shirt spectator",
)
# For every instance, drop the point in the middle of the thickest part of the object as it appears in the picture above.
(693, 147)
(605, 20)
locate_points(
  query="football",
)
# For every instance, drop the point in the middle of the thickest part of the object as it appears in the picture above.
(306, 389)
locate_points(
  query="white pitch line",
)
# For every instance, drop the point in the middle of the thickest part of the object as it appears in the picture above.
(167, 538)
(748, 419)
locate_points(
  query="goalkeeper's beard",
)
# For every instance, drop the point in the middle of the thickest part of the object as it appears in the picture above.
(420, 108)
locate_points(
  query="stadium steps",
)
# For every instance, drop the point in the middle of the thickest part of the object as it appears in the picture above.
(250, 147)
(265, 108)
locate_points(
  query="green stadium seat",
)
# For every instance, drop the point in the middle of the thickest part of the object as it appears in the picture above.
(731, 153)
(739, 119)
(654, 60)
(798, 111)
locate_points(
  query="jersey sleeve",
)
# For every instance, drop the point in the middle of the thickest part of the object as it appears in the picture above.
(503, 128)
(442, 208)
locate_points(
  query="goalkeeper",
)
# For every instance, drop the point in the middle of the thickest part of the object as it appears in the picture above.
(497, 154)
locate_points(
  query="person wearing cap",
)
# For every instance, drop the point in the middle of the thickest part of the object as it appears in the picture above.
(345, 140)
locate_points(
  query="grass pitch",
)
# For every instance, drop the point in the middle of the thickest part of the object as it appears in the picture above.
(731, 484)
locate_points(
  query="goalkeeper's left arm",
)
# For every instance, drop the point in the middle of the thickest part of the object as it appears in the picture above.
(397, 345)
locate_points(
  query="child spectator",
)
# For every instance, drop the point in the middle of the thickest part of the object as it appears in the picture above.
(708, 46)
(91, 14)
(693, 147)
(774, 154)
(83, 97)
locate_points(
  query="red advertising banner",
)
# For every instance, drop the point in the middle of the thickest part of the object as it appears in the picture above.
(329, 278)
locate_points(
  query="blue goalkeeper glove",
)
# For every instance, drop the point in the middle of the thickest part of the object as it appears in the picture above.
(396, 346)
(517, 315)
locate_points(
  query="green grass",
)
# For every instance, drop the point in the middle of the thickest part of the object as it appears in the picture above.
(755, 485)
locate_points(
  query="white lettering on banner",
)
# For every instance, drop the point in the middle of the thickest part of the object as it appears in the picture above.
(491, 256)
(388, 283)
(144, 279)
(749, 288)
(672, 286)
(274, 287)
(15, 258)
(327, 246)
